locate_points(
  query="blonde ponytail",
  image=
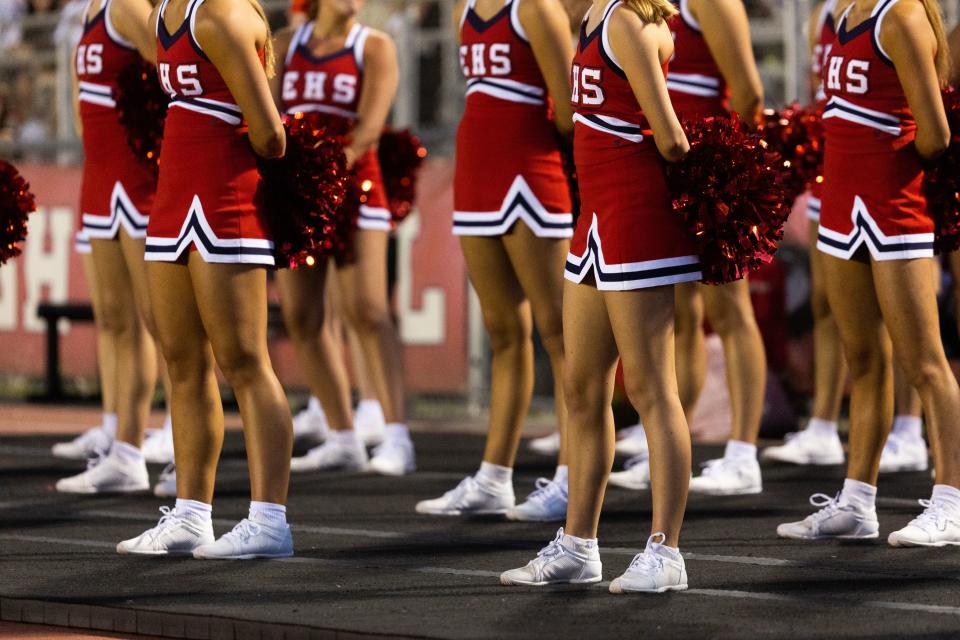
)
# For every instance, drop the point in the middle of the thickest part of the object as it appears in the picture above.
(269, 60)
(932, 7)
(652, 11)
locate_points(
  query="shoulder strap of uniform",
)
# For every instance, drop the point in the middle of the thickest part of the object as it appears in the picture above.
(191, 18)
(357, 40)
(515, 23)
(467, 6)
(112, 33)
(687, 16)
(880, 12)
(299, 36)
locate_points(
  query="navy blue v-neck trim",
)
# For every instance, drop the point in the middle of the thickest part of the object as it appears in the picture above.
(482, 25)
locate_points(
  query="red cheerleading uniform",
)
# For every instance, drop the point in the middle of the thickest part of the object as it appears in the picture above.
(206, 197)
(118, 188)
(332, 84)
(627, 234)
(827, 32)
(873, 193)
(508, 163)
(697, 88)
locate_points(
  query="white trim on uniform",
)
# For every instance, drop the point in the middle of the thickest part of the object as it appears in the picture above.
(506, 89)
(192, 17)
(687, 16)
(122, 212)
(693, 84)
(298, 36)
(881, 11)
(323, 108)
(828, 8)
(628, 276)
(229, 113)
(515, 20)
(197, 231)
(375, 219)
(81, 243)
(519, 204)
(360, 45)
(466, 9)
(605, 34)
(814, 205)
(629, 131)
(838, 107)
(99, 94)
(866, 232)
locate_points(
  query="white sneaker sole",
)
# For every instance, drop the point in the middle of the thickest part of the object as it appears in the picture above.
(617, 587)
(390, 472)
(805, 462)
(105, 491)
(751, 491)
(246, 556)
(907, 468)
(510, 582)
(869, 536)
(903, 544)
(134, 552)
(632, 486)
(484, 512)
(340, 469)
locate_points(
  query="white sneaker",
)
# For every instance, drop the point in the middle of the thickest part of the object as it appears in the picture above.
(635, 475)
(935, 527)
(807, 447)
(655, 570)
(837, 518)
(904, 454)
(174, 535)
(632, 441)
(332, 456)
(547, 503)
(728, 477)
(310, 423)
(395, 457)
(547, 445)
(558, 564)
(469, 498)
(249, 540)
(369, 422)
(108, 473)
(83, 446)
(166, 486)
(158, 446)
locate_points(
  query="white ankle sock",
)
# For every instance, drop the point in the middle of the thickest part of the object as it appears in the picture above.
(495, 475)
(827, 428)
(268, 513)
(859, 494)
(109, 424)
(346, 437)
(562, 475)
(664, 550)
(126, 452)
(573, 542)
(372, 407)
(314, 406)
(168, 423)
(739, 450)
(947, 496)
(195, 508)
(908, 427)
(396, 431)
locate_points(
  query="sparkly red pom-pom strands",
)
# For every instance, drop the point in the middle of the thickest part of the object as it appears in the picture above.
(142, 109)
(731, 196)
(796, 134)
(942, 183)
(401, 155)
(16, 205)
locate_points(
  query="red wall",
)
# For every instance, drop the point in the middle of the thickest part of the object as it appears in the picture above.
(430, 299)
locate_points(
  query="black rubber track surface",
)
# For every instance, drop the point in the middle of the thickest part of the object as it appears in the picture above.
(367, 564)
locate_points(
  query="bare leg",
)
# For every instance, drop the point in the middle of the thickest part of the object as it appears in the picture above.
(135, 355)
(829, 366)
(853, 298)
(538, 264)
(691, 353)
(507, 317)
(106, 349)
(906, 400)
(363, 287)
(320, 355)
(232, 301)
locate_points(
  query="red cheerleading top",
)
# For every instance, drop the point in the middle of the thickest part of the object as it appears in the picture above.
(697, 88)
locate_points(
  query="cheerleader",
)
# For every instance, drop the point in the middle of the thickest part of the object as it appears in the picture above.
(713, 73)
(336, 66)
(627, 256)
(207, 246)
(512, 213)
(116, 197)
(884, 118)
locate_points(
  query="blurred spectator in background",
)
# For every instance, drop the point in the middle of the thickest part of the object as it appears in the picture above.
(11, 23)
(70, 26)
(299, 12)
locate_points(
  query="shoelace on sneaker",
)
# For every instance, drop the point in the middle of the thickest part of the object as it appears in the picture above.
(96, 457)
(243, 531)
(546, 490)
(549, 553)
(715, 467)
(636, 461)
(933, 514)
(168, 519)
(390, 446)
(456, 495)
(646, 562)
(828, 507)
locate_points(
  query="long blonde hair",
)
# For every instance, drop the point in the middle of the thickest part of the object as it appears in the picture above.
(932, 7)
(652, 11)
(269, 59)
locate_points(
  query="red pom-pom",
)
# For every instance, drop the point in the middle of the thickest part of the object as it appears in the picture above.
(401, 155)
(730, 195)
(942, 182)
(142, 109)
(796, 134)
(303, 192)
(16, 204)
